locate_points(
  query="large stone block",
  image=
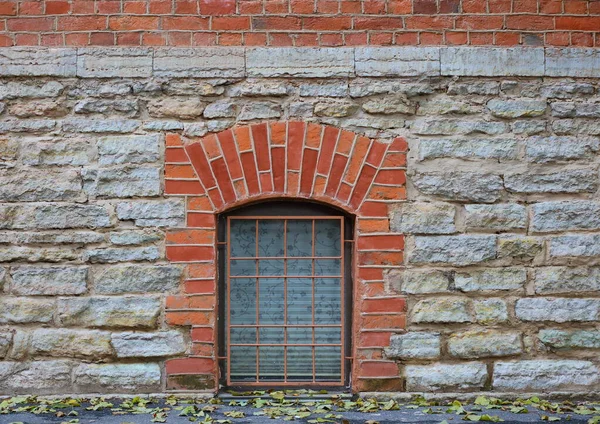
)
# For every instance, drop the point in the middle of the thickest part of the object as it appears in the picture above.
(39, 377)
(128, 312)
(467, 376)
(109, 126)
(113, 62)
(137, 279)
(423, 218)
(437, 126)
(511, 109)
(417, 282)
(176, 107)
(55, 216)
(468, 149)
(572, 62)
(576, 127)
(27, 126)
(520, 248)
(559, 149)
(490, 311)
(397, 61)
(35, 254)
(441, 310)
(575, 110)
(545, 375)
(224, 62)
(56, 152)
(49, 281)
(565, 216)
(490, 279)
(122, 182)
(148, 345)
(153, 213)
(133, 149)
(135, 237)
(35, 61)
(414, 345)
(497, 217)
(66, 343)
(560, 279)
(453, 250)
(570, 339)
(24, 310)
(557, 309)
(489, 61)
(461, 186)
(569, 181)
(484, 343)
(117, 378)
(111, 255)
(6, 338)
(575, 245)
(20, 90)
(321, 62)
(40, 186)
(44, 237)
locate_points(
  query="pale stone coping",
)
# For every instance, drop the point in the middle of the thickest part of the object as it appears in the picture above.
(298, 62)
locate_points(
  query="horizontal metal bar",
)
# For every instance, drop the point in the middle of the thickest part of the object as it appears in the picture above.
(284, 345)
(252, 258)
(285, 276)
(284, 325)
(287, 217)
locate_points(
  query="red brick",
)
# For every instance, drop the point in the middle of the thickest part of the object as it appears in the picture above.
(381, 38)
(558, 38)
(217, 7)
(250, 174)
(576, 7)
(230, 23)
(215, 197)
(530, 22)
(276, 6)
(203, 220)
(374, 339)
(29, 24)
(362, 185)
(6, 41)
(190, 366)
(81, 23)
(376, 209)
(57, 7)
(329, 23)
(190, 236)
(378, 369)
(199, 203)
(107, 39)
(582, 39)
(449, 6)
(370, 274)
(129, 39)
(425, 7)
(373, 225)
(400, 7)
(261, 146)
(381, 258)
(187, 318)
(302, 6)
(183, 187)
(331, 40)
(154, 39)
(276, 23)
(385, 322)
(278, 167)
(108, 7)
(134, 7)
(391, 176)
(203, 334)
(255, 38)
(384, 304)
(429, 22)
(327, 6)
(280, 39)
(250, 7)
(184, 23)
(8, 8)
(581, 23)
(219, 168)
(337, 170)
(378, 23)
(204, 38)
(186, 7)
(479, 22)
(295, 138)
(309, 164)
(190, 253)
(499, 6)
(52, 39)
(481, 38)
(381, 242)
(200, 163)
(229, 151)
(524, 6)
(201, 271)
(129, 23)
(360, 150)
(506, 38)
(199, 286)
(474, 6)
(374, 7)
(30, 8)
(431, 38)
(550, 6)
(406, 38)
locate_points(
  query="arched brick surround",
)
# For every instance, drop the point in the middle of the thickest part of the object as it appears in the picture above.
(286, 160)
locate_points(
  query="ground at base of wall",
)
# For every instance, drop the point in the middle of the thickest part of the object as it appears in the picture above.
(278, 407)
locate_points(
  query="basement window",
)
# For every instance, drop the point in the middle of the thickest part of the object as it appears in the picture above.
(284, 295)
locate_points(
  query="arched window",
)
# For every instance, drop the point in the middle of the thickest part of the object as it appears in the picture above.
(285, 295)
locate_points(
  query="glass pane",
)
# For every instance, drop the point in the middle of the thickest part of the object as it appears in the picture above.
(271, 335)
(243, 301)
(271, 300)
(243, 335)
(328, 363)
(328, 306)
(243, 238)
(301, 335)
(270, 267)
(327, 237)
(271, 363)
(328, 335)
(299, 363)
(270, 237)
(299, 238)
(299, 299)
(328, 267)
(243, 363)
(242, 267)
(299, 267)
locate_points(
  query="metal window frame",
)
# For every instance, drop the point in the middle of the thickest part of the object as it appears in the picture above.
(285, 210)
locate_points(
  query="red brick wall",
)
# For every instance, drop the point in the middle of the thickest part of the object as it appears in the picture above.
(299, 22)
(321, 165)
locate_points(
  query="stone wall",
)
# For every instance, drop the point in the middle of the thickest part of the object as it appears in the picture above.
(497, 287)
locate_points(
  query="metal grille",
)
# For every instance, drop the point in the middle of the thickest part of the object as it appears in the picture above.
(285, 300)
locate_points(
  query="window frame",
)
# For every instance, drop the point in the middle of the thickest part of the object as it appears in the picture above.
(285, 209)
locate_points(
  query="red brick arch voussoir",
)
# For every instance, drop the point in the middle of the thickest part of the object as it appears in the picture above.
(278, 160)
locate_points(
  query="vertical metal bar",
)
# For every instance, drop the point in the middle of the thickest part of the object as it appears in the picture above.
(228, 282)
(342, 283)
(257, 305)
(314, 362)
(285, 317)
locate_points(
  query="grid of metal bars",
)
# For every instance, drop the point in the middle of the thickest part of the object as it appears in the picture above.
(285, 379)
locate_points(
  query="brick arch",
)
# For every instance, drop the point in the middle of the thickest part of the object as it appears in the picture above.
(277, 160)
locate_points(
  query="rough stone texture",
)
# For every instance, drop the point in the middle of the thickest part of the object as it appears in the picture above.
(23, 310)
(106, 378)
(41, 377)
(499, 217)
(486, 343)
(468, 149)
(113, 255)
(401, 62)
(66, 343)
(48, 281)
(140, 312)
(570, 339)
(23, 61)
(122, 182)
(575, 181)
(137, 279)
(572, 245)
(199, 63)
(560, 149)
(516, 109)
(148, 345)
(423, 218)
(557, 309)
(544, 375)
(465, 186)
(572, 62)
(313, 63)
(5, 342)
(490, 311)
(414, 346)
(441, 310)
(491, 61)
(38, 186)
(54, 216)
(415, 282)
(520, 248)
(119, 62)
(135, 149)
(565, 216)
(166, 213)
(567, 280)
(490, 279)
(467, 376)
(456, 250)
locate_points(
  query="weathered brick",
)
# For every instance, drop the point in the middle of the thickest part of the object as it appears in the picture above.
(294, 62)
(134, 237)
(572, 62)
(490, 311)
(516, 108)
(54, 216)
(121, 182)
(111, 255)
(19, 90)
(468, 61)
(56, 152)
(32, 61)
(114, 62)
(431, 126)
(417, 281)
(199, 63)
(40, 186)
(397, 61)
(570, 339)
